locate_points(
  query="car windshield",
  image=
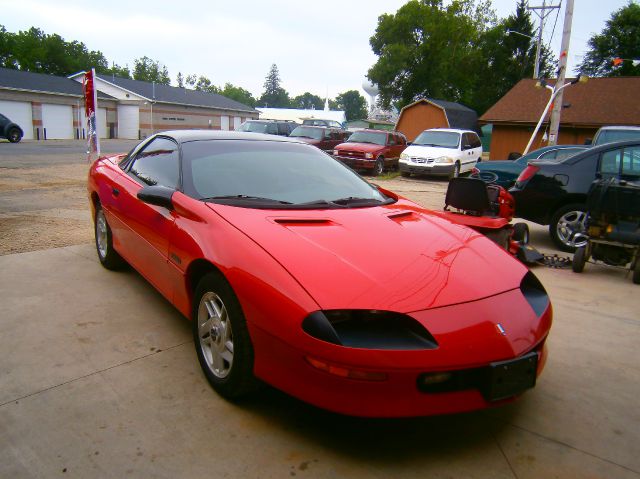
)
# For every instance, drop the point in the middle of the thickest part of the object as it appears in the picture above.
(368, 137)
(253, 126)
(609, 136)
(271, 174)
(442, 139)
(308, 132)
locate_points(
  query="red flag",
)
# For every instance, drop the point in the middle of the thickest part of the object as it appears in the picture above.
(90, 106)
(617, 61)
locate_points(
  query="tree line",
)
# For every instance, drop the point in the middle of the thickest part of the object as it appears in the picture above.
(36, 51)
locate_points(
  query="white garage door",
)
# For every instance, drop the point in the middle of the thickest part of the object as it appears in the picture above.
(128, 121)
(236, 122)
(58, 121)
(102, 123)
(19, 112)
(224, 123)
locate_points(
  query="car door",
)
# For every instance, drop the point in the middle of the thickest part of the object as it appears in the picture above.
(469, 155)
(148, 228)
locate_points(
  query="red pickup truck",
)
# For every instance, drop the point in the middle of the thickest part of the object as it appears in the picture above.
(373, 150)
(323, 137)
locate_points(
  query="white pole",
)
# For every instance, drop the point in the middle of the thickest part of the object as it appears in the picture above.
(95, 103)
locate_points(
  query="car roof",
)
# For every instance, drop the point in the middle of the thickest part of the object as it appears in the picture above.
(451, 130)
(183, 136)
(597, 149)
(619, 127)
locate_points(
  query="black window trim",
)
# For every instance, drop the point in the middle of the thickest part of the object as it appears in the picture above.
(133, 154)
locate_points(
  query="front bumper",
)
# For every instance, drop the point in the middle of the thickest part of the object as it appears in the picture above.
(357, 163)
(467, 348)
(435, 169)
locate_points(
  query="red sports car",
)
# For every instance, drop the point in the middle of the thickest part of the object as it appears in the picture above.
(280, 256)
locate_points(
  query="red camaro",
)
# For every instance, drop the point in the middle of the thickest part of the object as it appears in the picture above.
(280, 256)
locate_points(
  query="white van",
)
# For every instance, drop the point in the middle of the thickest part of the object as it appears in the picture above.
(441, 151)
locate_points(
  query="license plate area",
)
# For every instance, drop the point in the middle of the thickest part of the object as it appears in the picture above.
(512, 377)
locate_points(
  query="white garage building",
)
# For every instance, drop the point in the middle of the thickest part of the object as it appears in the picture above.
(52, 107)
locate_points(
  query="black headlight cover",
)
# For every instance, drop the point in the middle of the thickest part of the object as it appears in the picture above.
(534, 293)
(369, 329)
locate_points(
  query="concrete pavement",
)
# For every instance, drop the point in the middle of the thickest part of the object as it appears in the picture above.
(98, 378)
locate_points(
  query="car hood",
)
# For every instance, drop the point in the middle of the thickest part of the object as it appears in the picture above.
(397, 257)
(429, 151)
(363, 147)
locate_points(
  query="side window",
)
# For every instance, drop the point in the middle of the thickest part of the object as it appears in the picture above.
(631, 161)
(610, 162)
(391, 139)
(476, 143)
(272, 129)
(158, 164)
(283, 129)
(466, 141)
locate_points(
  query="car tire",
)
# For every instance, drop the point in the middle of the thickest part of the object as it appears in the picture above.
(109, 258)
(14, 135)
(567, 227)
(579, 259)
(378, 168)
(521, 233)
(456, 171)
(221, 338)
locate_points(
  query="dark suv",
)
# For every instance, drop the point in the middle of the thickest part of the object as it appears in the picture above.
(555, 192)
(270, 127)
(10, 130)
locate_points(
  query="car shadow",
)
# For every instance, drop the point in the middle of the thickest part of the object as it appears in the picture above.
(381, 441)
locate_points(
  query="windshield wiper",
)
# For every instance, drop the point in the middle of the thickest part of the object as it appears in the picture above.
(246, 197)
(349, 200)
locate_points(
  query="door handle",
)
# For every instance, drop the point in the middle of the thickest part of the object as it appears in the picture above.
(115, 191)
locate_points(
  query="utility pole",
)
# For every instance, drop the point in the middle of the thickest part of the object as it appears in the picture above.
(542, 15)
(564, 53)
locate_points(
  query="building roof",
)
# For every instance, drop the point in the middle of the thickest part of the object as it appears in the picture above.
(42, 83)
(458, 115)
(600, 101)
(299, 115)
(171, 94)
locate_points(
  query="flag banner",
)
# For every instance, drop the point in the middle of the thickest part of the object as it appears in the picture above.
(617, 61)
(90, 111)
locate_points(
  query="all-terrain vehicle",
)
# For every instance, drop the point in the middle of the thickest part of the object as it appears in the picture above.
(613, 226)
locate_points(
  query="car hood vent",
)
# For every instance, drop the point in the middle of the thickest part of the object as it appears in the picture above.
(303, 221)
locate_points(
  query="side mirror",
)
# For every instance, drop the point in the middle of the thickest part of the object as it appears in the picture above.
(157, 195)
(588, 141)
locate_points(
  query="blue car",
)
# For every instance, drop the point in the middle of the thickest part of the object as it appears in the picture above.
(505, 172)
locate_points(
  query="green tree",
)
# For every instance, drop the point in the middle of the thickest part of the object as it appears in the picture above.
(7, 49)
(619, 39)
(428, 49)
(116, 70)
(204, 84)
(507, 58)
(180, 80)
(146, 69)
(191, 80)
(238, 94)
(353, 104)
(308, 101)
(274, 96)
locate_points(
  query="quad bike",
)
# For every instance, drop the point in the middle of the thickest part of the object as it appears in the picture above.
(488, 209)
(613, 226)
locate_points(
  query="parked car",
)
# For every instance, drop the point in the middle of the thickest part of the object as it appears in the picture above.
(323, 137)
(554, 192)
(505, 172)
(608, 134)
(270, 127)
(10, 130)
(320, 122)
(442, 151)
(372, 150)
(265, 243)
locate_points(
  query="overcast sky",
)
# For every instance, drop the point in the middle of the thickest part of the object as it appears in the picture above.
(321, 47)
